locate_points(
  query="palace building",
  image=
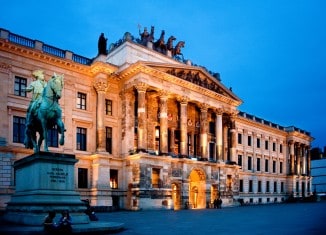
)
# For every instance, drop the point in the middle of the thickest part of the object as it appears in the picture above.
(150, 130)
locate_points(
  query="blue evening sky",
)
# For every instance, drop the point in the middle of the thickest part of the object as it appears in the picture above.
(271, 52)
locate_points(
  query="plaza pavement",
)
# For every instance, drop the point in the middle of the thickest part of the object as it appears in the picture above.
(272, 219)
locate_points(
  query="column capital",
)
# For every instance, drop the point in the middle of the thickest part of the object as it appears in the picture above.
(100, 86)
(183, 99)
(163, 94)
(141, 87)
(204, 107)
(219, 111)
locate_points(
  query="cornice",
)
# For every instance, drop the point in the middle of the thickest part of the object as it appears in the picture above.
(142, 67)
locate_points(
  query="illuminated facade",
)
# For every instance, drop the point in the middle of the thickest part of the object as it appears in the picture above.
(150, 130)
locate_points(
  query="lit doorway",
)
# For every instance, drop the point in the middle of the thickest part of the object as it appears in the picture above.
(176, 197)
(197, 189)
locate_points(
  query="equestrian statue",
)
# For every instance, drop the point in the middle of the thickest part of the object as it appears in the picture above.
(44, 111)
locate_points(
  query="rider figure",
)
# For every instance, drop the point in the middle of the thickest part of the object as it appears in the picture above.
(36, 87)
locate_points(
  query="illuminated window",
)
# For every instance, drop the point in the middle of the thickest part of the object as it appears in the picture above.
(229, 182)
(20, 85)
(114, 179)
(19, 129)
(81, 101)
(155, 177)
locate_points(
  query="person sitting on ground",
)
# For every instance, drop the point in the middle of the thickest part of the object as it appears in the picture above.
(49, 225)
(65, 221)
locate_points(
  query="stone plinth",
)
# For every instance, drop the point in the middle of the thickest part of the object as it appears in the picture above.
(45, 182)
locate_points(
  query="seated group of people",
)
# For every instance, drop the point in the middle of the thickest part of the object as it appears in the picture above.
(63, 226)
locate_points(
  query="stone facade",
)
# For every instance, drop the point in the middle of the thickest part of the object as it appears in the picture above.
(158, 133)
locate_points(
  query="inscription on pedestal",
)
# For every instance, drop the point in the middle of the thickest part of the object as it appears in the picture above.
(57, 175)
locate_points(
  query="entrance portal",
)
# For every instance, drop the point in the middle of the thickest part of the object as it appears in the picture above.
(197, 189)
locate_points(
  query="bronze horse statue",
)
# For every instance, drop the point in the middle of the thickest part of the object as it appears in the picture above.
(47, 115)
(159, 45)
(177, 48)
(169, 44)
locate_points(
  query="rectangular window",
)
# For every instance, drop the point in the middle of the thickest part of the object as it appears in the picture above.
(240, 160)
(282, 187)
(114, 179)
(266, 144)
(281, 167)
(267, 186)
(81, 101)
(258, 142)
(259, 186)
(18, 129)
(155, 177)
(241, 186)
(275, 186)
(274, 147)
(82, 177)
(108, 107)
(281, 148)
(81, 138)
(266, 165)
(249, 140)
(274, 166)
(258, 164)
(239, 138)
(250, 186)
(108, 138)
(20, 85)
(249, 163)
(53, 137)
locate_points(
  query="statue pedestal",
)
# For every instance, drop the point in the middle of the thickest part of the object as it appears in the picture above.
(45, 182)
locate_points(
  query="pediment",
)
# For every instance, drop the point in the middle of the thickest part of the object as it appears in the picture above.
(197, 76)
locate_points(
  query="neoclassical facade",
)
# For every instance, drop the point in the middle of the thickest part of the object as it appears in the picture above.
(150, 130)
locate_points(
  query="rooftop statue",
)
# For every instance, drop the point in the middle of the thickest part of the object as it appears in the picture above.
(102, 41)
(159, 45)
(177, 48)
(169, 44)
(144, 36)
(44, 111)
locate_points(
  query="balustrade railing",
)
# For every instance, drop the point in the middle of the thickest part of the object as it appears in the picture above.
(23, 41)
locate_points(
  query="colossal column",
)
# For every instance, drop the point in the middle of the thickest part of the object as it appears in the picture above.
(141, 134)
(291, 143)
(101, 88)
(233, 138)
(298, 157)
(219, 134)
(183, 125)
(203, 130)
(163, 123)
